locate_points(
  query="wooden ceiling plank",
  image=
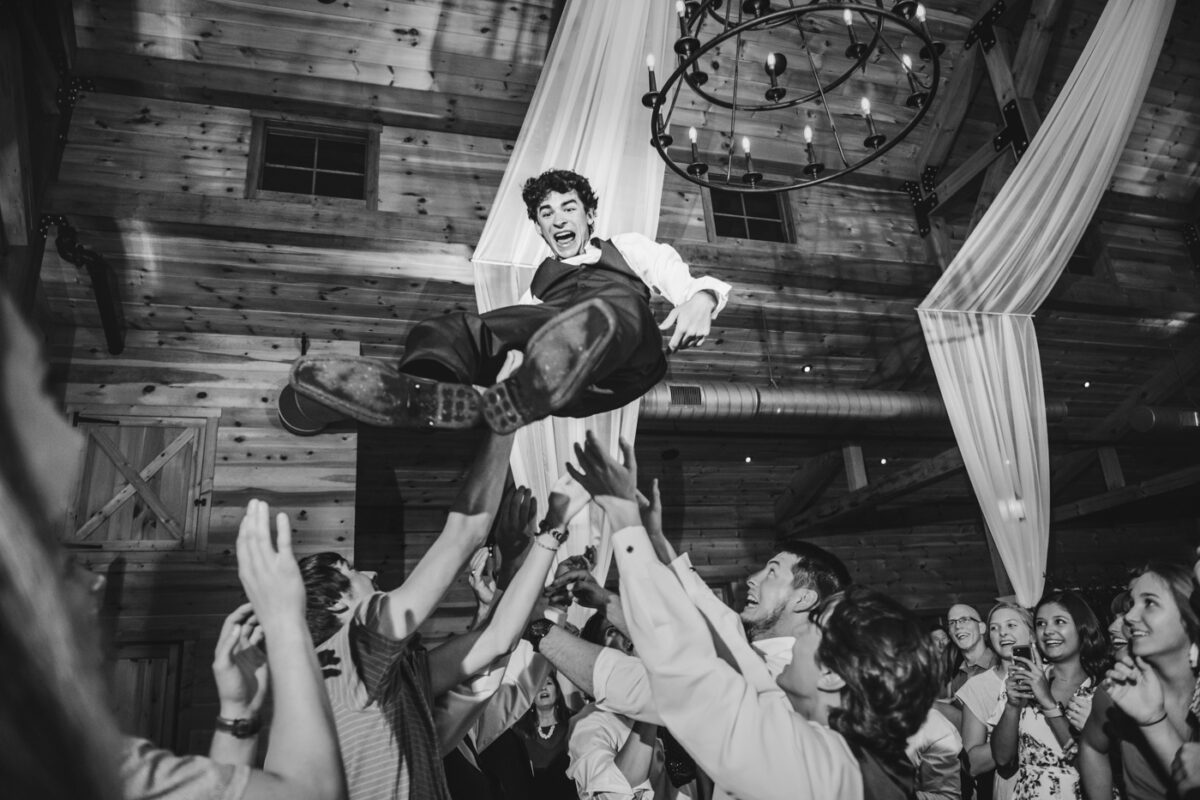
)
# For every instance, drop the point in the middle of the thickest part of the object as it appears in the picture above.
(259, 90)
(953, 103)
(807, 484)
(1070, 467)
(934, 469)
(1172, 481)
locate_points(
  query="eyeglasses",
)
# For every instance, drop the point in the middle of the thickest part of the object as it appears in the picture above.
(959, 622)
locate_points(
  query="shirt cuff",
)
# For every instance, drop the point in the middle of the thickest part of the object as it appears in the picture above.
(707, 283)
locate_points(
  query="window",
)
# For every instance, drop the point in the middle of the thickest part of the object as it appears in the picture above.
(764, 217)
(314, 160)
(146, 481)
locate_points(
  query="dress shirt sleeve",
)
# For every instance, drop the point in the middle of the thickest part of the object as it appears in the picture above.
(660, 267)
(595, 739)
(622, 686)
(729, 634)
(749, 740)
(934, 750)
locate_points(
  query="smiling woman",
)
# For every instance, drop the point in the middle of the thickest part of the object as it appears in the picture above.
(1144, 709)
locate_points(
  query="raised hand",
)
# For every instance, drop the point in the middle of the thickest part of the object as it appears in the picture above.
(558, 593)
(583, 586)
(480, 582)
(268, 571)
(1017, 685)
(240, 665)
(1185, 770)
(1078, 710)
(1136, 689)
(513, 529)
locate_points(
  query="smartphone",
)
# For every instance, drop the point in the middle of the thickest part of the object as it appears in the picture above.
(1023, 651)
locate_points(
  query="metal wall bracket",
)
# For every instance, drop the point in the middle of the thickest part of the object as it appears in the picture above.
(70, 87)
(103, 278)
(1014, 132)
(924, 199)
(1191, 238)
(984, 31)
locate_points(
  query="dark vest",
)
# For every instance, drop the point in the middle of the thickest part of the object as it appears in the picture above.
(883, 780)
(558, 283)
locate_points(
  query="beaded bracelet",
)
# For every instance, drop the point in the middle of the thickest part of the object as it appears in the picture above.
(538, 541)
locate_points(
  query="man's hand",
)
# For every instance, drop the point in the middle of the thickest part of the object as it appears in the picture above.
(610, 484)
(240, 665)
(480, 582)
(583, 586)
(269, 572)
(692, 322)
(558, 594)
(513, 529)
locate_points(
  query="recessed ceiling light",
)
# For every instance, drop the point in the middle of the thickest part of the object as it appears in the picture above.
(807, 368)
(883, 461)
(1087, 384)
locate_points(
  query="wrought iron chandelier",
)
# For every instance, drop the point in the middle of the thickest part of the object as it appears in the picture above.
(837, 74)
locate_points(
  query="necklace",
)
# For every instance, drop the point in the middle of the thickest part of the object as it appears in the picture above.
(549, 730)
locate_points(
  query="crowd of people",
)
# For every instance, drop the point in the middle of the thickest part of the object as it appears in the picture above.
(817, 688)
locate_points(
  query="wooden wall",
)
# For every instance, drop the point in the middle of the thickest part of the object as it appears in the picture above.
(158, 601)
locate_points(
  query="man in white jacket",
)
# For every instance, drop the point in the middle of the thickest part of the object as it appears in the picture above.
(834, 725)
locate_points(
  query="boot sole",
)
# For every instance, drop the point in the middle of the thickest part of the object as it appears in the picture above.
(557, 366)
(375, 393)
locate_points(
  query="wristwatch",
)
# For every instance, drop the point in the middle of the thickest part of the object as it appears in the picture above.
(536, 631)
(242, 728)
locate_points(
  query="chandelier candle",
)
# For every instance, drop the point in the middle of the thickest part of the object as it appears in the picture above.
(649, 97)
(938, 47)
(876, 138)
(857, 49)
(812, 168)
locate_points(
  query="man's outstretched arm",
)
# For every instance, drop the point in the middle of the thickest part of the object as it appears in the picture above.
(466, 529)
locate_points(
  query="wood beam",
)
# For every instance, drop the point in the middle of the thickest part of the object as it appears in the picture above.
(856, 467)
(1110, 465)
(1179, 479)
(260, 90)
(807, 484)
(1177, 372)
(929, 471)
(1070, 467)
(953, 103)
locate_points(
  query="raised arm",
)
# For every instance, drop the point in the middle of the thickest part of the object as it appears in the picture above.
(466, 529)
(304, 760)
(465, 655)
(750, 742)
(240, 672)
(975, 744)
(1095, 769)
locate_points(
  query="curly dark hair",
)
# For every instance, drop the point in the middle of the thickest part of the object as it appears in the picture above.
(888, 664)
(563, 181)
(1093, 639)
(324, 586)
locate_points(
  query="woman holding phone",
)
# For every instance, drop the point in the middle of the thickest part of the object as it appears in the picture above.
(1048, 699)
(983, 696)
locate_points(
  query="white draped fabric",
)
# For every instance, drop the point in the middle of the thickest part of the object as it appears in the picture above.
(977, 319)
(586, 115)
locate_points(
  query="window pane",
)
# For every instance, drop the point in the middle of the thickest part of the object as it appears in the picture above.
(284, 179)
(286, 150)
(729, 226)
(765, 230)
(724, 202)
(762, 205)
(341, 156)
(330, 184)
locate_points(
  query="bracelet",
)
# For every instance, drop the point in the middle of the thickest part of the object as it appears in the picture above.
(536, 631)
(559, 533)
(242, 728)
(1055, 710)
(538, 541)
(1153, 722)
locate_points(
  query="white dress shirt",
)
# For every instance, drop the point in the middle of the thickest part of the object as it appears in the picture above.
(934, 751)
(595, 738)
(739, 726)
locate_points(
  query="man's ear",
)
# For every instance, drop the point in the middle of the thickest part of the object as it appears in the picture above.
(591, 220)
(830, 681)
(982, 628)
(803, 601)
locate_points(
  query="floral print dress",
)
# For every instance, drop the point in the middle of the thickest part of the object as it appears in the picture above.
(1047, 770)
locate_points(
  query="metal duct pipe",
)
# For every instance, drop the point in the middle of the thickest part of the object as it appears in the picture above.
(714, 401)
(1161, 419)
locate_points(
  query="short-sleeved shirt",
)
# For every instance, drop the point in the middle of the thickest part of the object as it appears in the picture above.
(150, 773)
(357, 664)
